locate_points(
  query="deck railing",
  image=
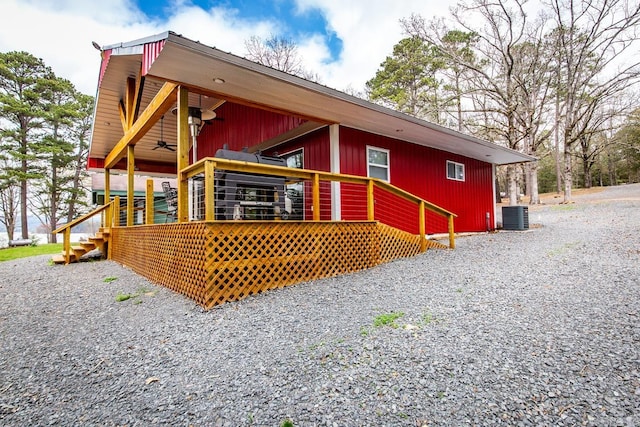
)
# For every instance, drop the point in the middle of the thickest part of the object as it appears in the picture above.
(205, 172)
(110, 214)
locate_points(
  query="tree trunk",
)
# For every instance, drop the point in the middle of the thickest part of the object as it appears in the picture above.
(527, 179)
(24, 218)
(588, 182)
(556, 136)
(513, 185)
(535, 196)
(568, 180)
(53, 202)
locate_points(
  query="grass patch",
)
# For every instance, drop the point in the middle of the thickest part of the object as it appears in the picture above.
(123, 297)
(9, 254)
(110, 279)
(427, 318)
(387, 319)
(136, 297)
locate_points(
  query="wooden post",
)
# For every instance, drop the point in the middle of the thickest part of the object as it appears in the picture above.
(452, 241)
(67, 245)
(316, 197)
(209, 191)
(422, 226)
(130, 189)
(107, 186)
(183, 153)
(370, 202)
(115, 221)
(149, 203)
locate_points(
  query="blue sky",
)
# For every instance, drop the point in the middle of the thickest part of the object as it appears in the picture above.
(292, 21)
(342, 41)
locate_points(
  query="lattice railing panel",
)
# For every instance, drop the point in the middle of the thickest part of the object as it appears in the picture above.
(169, 254)
(250, 257)
(213, 263)
(396, 243)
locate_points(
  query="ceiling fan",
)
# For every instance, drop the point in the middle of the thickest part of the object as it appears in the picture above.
(161, 142)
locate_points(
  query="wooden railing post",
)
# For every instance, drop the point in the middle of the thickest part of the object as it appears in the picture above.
(115, 219)
(149, 203)
(209, 191)
(422, 226)
(67, 245)
(316, 197)
(130, 184)
(371, 214)
(452, 240)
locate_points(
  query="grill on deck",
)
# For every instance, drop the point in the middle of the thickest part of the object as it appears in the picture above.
(249, 196)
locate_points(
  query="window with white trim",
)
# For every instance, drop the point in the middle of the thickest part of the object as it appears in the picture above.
(378, 163)
(455, 171)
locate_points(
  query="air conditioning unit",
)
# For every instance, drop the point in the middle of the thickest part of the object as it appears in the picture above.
(515, 217)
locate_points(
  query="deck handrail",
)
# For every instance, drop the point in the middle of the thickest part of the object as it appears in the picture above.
(107, 221)
(207, 166)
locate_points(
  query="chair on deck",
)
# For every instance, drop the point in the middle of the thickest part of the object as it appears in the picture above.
(171, 197)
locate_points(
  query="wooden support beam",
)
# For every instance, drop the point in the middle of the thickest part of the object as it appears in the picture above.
(107, 186)
(130, 101)
(122, 112)
(66, 245)
(452, 240)
(138, 98)
(149, 203)
(130, 188)
(209, 192)
(422, 226)
(316, 197)
(182, 152)
(163, 100)
(115, 221)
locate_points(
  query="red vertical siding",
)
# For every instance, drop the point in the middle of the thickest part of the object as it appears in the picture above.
(106, 55)
(422, 171)
(150, 53)
(240, 126)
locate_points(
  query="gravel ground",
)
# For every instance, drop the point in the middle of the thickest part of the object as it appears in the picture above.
(512, 328)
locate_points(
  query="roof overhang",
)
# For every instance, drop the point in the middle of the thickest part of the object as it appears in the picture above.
(214, 76)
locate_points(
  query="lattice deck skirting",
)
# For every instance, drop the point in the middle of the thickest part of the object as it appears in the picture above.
(213, 263)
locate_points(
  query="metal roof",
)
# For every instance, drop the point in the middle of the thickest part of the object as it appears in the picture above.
(215, 76)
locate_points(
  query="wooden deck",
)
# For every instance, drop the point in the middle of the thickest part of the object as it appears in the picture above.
(216, 262)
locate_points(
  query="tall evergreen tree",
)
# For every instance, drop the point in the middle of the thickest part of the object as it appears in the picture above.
(24, 84)
(407, 80)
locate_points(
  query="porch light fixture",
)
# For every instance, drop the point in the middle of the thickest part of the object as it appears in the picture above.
(218, 80)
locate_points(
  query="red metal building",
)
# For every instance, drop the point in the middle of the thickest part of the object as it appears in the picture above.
(248, 106)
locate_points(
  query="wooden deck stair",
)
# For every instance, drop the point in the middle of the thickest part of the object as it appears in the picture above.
(77, 251)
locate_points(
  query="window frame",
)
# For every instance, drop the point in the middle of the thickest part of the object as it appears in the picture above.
(456, 165)
(387, 166)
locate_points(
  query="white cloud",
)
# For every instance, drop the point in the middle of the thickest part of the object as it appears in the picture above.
(369, 30)
(61, 32)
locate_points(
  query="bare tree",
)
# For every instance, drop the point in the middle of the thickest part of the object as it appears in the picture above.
(505, 27)
(279, 53)
(591, 38)
(534, 89)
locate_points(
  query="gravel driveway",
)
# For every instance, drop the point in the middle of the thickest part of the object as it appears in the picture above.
(512, 328)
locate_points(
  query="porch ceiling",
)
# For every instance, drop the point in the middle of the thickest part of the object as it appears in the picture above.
(203, 68)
